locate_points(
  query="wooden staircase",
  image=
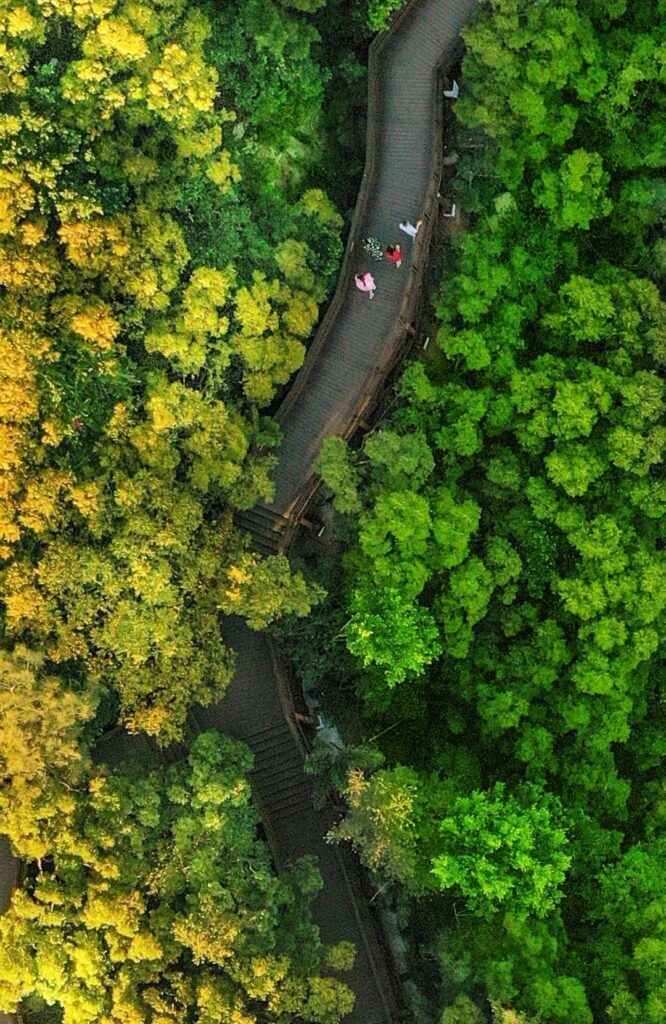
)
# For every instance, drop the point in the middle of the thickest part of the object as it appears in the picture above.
(269, 530)
(278, 780)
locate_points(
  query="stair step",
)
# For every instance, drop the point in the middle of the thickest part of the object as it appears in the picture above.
(287, 808)
(271, 770)
(275, 783)
(300, 808)
(273, 743)
(277, 789)
(273, 729)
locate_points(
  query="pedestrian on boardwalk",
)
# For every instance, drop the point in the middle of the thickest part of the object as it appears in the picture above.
(373, 248)
(394, 255)
(366, 283)
(410, 229)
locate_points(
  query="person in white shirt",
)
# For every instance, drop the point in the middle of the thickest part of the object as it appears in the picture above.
(410, 229)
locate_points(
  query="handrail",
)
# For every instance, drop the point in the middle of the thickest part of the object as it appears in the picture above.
(375, 943)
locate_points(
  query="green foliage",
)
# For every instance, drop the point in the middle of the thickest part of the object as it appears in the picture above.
(263, 589)
(380, 11)
(575, 193)
(462, 1011)
(153, 873)
(503, 851)
(331, 766)
(338, 471)
(389, 630)
(505, 575)
(382, 821)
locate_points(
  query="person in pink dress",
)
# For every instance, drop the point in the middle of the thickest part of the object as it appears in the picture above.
(366, 283)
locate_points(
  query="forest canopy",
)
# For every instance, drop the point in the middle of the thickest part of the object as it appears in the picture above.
(152, 305)
(169, 229)
(151, 872)
(505, 586)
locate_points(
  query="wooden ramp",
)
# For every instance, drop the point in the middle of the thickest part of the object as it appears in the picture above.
(359, 339)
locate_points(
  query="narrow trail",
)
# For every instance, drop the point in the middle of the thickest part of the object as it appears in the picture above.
(357, 343)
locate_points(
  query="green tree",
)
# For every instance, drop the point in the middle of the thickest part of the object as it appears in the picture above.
(158, 900)
(500, 849)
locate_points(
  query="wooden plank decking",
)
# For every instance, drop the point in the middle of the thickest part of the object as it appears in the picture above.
(361, 335)
(356, 344)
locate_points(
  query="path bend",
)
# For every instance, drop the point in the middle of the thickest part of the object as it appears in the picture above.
(355, 346)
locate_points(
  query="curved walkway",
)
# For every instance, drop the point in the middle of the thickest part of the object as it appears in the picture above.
(356, 344)
(403, 163)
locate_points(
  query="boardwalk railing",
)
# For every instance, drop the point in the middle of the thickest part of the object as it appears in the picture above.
(341, 293)
(356, 879)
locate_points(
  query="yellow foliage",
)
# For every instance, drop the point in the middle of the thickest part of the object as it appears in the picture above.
(33, 231)
(199, 143)
(222, 172)
(86, 498)
(80, 11)
(52, 433)
(72, 206)
(159, 256)
(13, 61)
(268, 361)
(139, 168)
(181, 86)
(253, 307)
(97, 246)
(28, 271)
(291, 257)
(169, 406)
(119, 421)
(10, 446)
(115, 38)
(10, 126)
(301, 314)
(317, 204)
(20, 22)
(40, 506)
(25, 606)
(144, 946)
(18, 397)
(183, 349)
(89, 317)
(16, 198)
(97, 324)
(206, 293)
(195, 30)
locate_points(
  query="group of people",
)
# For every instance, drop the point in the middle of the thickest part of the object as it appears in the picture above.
(365, 281)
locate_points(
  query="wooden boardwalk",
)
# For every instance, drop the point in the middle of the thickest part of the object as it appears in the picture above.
(359, 339)
(358, 342)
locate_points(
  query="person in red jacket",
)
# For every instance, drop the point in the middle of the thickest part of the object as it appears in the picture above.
(394, 254)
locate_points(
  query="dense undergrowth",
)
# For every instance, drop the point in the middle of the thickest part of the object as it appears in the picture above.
(503, 600)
